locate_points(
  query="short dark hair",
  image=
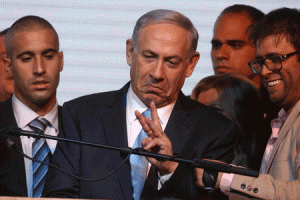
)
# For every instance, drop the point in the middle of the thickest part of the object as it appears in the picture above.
(26, 23)
(254, 14)
(282, 22)
(163, 15)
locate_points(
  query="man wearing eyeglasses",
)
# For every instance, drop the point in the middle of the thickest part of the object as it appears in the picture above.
(230, 53)
(278, 64)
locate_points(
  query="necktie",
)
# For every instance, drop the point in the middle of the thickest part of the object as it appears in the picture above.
(276, 125)
(40, 151)
(139, 164)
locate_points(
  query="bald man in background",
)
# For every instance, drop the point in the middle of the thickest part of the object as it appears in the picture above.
(6, 81)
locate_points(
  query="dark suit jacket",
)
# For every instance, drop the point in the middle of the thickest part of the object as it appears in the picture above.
(195, 131)
(12, 167)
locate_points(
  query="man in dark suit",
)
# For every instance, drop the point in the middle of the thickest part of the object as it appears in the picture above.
(161, 54)
(34, 60)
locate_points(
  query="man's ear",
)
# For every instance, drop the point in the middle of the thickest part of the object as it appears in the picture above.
(61, 54)
(129, 52)
(192, 64)
(8, 67)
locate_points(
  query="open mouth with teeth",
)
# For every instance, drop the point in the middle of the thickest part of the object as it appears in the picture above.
(273, 83)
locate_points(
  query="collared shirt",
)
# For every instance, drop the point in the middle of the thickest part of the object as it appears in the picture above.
(276, 125)
(133, 125)
(24, 115)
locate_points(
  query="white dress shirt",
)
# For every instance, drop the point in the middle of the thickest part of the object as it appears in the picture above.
(134, 127)
(24, 115)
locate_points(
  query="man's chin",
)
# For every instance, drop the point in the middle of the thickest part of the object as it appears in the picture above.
(222, 71)
(41, 99)
(41, 102)
(159, 101)
(276, 100)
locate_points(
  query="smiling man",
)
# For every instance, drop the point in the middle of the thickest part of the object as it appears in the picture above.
(278, 64)
(161, 54)
(34, 60)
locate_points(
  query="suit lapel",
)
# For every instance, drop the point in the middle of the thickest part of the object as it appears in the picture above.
(60, 129)
(284, 131)
(178, 132)
(114, 125)
(7, 119)
(177, 128)
(10, 120)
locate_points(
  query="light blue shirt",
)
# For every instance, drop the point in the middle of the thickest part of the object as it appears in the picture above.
(134, 127)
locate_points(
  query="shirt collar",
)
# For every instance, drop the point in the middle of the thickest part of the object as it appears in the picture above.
(24, 115)
(134, 103)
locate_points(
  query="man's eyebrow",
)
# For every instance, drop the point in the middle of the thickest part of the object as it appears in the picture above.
(272, 54)
(215, 41)
(230, 42)
(31, 53)
(267, 56)
(166, 58)
(236, 41)
(49, 50)
(149, 51)
(24, 53)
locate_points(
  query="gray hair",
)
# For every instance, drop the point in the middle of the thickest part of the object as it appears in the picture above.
(169, 16)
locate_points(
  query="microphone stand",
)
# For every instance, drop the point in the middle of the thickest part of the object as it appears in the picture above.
(204, 164)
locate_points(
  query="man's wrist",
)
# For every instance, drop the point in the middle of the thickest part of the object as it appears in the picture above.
(169, 168)
(225, 183)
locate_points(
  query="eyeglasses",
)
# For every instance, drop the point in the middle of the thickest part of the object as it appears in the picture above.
(273, 63)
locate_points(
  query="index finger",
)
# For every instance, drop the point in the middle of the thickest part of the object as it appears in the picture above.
(154, 114)
(142, 121)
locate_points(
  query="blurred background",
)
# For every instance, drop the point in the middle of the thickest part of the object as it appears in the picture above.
(93, 35)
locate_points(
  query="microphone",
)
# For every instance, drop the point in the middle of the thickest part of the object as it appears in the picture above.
(10, 143)
(18, 132)
(205, 164)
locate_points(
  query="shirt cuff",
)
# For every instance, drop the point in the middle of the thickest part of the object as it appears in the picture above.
(163, 179)
(225, 183)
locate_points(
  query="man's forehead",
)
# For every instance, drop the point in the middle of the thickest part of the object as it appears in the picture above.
(160, 36)
(232, 23)
(273, 44)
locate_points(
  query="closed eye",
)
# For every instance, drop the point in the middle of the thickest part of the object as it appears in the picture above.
(26, 58)
(275, 59)
(236, 44)
(49, 56)
(149, 56)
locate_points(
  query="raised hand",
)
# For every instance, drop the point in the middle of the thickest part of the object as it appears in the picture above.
(157, 141)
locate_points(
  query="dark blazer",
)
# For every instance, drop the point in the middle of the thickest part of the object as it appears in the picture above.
(195, 131)
(12, 167)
